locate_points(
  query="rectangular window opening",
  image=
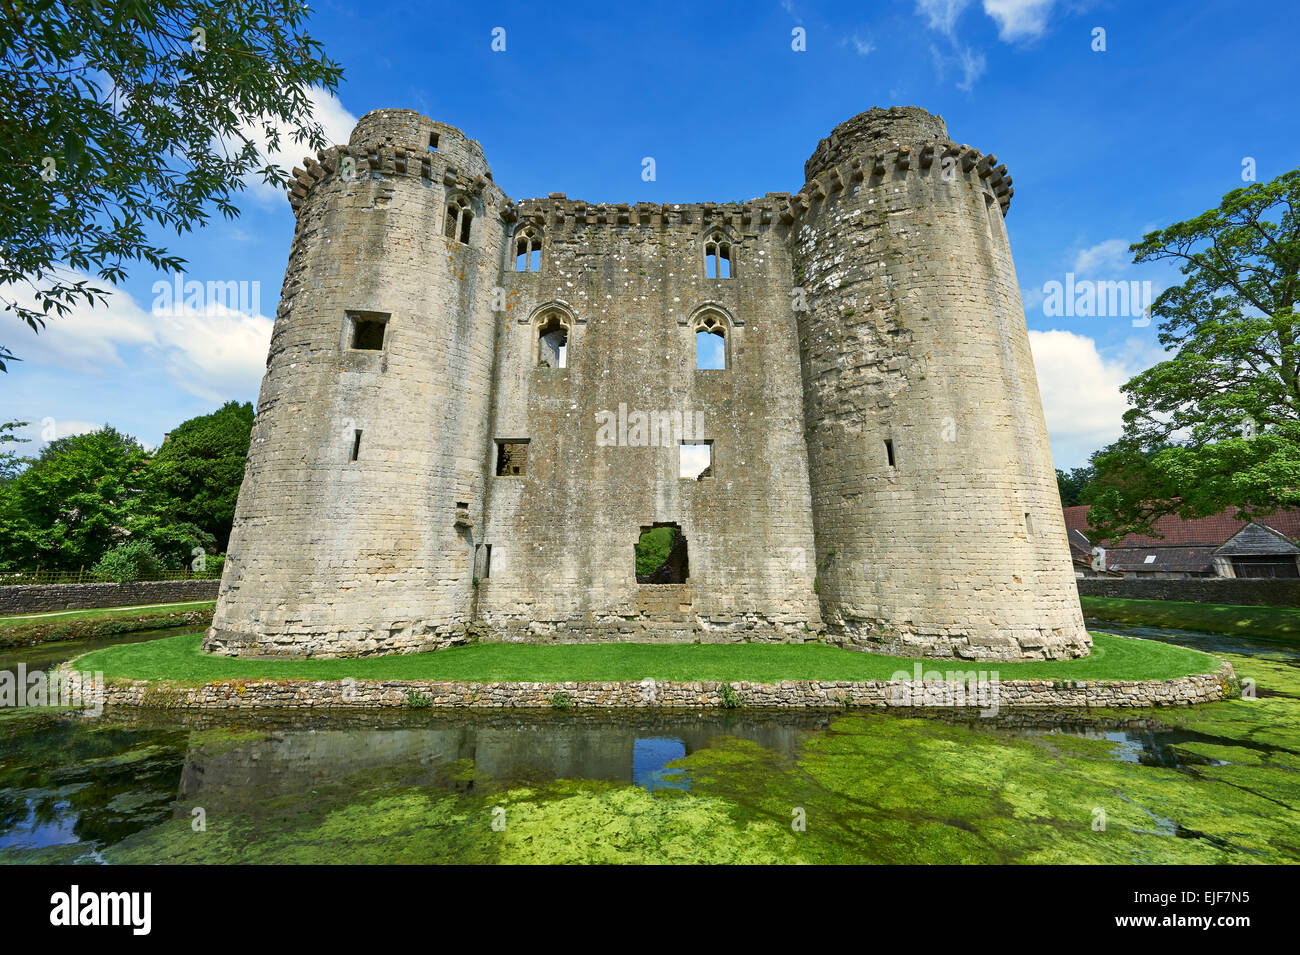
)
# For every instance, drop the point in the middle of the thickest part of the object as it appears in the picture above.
(695, 460)
(512, 458)
(1029, 524)
(889, 451)
(367, 331)
(487, 561)
(356, 444)
(433, 142)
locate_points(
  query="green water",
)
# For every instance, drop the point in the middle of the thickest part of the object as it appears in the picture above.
(1211, 784)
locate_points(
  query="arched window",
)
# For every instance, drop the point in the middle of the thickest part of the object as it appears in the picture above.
(710, 341)
(553, 339)
(528, 250)
(459, 217)
(719, 262)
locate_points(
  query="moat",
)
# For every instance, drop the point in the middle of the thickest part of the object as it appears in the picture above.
(1216, 783)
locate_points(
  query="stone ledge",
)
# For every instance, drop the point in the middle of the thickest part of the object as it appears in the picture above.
(359, 694)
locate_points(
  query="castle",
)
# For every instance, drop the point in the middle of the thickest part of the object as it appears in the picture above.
(473, 408)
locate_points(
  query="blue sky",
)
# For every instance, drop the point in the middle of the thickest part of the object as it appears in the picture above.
(1103, 146)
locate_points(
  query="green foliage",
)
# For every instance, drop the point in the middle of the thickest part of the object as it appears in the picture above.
(728, 697)
(561, 701)
(1218, 424)
(1072, 483)
(10, 463)
(134, 560)
(653, 548)
(195, 474)
(119, 120)
(417, 701)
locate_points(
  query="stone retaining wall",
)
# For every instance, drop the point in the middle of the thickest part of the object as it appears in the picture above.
(296, 694)
(40, 598)
(1219, 590)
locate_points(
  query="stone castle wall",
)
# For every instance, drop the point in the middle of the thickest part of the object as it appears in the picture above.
(1234, 591)
(40, 598)
(879, 303)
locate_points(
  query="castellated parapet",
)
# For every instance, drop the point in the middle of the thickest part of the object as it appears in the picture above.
(449, 445)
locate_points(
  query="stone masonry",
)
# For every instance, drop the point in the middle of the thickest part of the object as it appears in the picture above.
(459, 438)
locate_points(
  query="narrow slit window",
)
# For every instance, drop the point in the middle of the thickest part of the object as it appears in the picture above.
(695, 461)
(512, 458)
(992, 209)
(466, 217)
(1029, 525)
(356, 444)
(487, 561)
(889, 452)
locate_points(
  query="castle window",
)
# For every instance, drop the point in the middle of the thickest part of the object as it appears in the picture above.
(433, 142)
(695, 460)
(717, 257)
(356, 444)
(365, 330)
(553, 340)
(889, 451)
(993, 209)
(483, 558)
(459, 217)
(528, 250)
(512, 457)
(710, 342)
(1029, 525)
(660, 555)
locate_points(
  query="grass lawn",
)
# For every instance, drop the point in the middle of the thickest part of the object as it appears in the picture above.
(181, 660)
(1265, 622)
(68, 616)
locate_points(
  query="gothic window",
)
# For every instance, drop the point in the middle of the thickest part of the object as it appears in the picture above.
(718, 260)
(553, 340)
(459, 217)
(528, 250)
(710, 341)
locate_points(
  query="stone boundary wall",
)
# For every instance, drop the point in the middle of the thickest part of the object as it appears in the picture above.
(41, 598)
(1249, 592)
(306, 694)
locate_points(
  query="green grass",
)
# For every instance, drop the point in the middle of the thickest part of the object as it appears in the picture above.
(181, 660)
(68, 616)
(1278, 623)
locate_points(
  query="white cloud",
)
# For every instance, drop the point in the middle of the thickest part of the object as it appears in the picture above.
(1019, 19)
(1081, 391)
(863, 47)
(942, 14)
(212, 352)
(1112, 254)
(327, 110)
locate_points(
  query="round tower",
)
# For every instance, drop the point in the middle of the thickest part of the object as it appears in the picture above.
(937, 517)
(354, 530)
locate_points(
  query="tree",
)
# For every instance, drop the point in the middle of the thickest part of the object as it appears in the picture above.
(195, 474)
(123, 115)
(1072, 483)
(1218, 424)
(10, 463)
(81, 497)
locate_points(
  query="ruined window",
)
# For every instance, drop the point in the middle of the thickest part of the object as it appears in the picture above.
(992, 207)
(695, 460)
(459, 217)
(512, 457)
(717, 257)
(710, 342)
(1029, 525)
(433, 142)
(528, 250)
(366, 330)
(889, 451)
(553, 340)
(356, 444)
(483, 558)
(660, 554)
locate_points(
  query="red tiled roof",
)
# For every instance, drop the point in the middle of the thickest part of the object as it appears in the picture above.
(1202, 531)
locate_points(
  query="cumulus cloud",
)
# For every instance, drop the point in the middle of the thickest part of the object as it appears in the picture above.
(205, 348)
(1019, 19)
(1081, 391)
(1112, 255)
(327, 110)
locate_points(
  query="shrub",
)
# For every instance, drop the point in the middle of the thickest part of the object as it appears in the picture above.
(134, 560)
